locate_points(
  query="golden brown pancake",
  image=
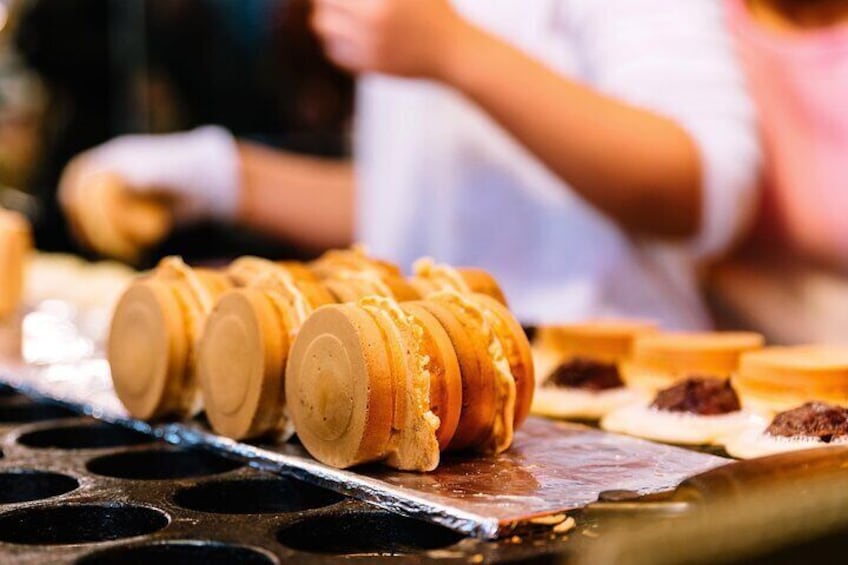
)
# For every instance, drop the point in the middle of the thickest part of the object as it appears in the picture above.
(781, 378)
(246, 343)
(152, 341)
(660, 360)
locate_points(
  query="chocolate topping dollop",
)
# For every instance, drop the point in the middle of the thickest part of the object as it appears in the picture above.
(585, 374)
(699, 395)
(814, 420)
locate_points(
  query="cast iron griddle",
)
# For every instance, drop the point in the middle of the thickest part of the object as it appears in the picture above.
(552, 467)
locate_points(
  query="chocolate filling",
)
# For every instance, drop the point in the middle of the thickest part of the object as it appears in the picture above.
(814, 420)
(699, 395)
(585, 374)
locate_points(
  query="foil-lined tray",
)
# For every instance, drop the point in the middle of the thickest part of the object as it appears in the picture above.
(552, 468)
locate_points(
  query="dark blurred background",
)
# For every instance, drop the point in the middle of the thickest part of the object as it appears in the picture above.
(75, 73)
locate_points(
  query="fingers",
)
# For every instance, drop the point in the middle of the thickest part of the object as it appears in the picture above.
(342, 26)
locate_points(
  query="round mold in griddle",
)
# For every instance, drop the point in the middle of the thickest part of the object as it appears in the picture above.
(365, 533)
(177, 553)
(25, 485)
(22, 412)
(79, 523)
(255, 496)
(160, 464)
(94, 435)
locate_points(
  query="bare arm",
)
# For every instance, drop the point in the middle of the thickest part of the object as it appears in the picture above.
(307, 200)
(630, 163)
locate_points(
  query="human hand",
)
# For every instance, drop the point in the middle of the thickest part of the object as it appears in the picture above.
(122, 197)
(410, 38)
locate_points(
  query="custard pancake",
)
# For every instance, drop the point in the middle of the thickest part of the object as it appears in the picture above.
(781, 378)
(660, 360)
(340, 386)
(580, 365)
(245, 345)
(404, 374)
(431, 277)
(152, 340)
(517, 350)
(443, 368)
(350, 274)
(488, 385)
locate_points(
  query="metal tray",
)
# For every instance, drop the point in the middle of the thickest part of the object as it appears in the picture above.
(552, 468)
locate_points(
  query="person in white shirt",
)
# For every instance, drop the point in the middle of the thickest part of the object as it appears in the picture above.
(590, 154)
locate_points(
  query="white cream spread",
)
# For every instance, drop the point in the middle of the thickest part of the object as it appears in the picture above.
(505, 390)
(413, 445)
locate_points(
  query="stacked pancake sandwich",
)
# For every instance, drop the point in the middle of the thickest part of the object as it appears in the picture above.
(688, 376)
(580, 368)
(15, 248)
(224, 348)
(245, 344)
(430, 277)
(152, 345)
(246, 341)
(350, 274)
(114, 221)
(400, 383)
(801, 393)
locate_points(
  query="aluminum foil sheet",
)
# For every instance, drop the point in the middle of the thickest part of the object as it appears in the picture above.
(552, 468)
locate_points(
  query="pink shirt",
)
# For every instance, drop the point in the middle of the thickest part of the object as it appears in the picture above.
(799, 81)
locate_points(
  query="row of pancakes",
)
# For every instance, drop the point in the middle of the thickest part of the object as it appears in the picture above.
(363, 364)
(719, 388)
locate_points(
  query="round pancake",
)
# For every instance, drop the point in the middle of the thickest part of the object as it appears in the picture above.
(340, 385)
(148, 349)
(605, 341)
(241, 364)
(781, 378)
(662, 359)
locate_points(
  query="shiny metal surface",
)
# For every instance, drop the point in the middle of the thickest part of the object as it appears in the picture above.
(552, 468)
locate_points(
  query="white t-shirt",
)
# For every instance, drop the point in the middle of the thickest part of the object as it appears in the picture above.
(438, 177)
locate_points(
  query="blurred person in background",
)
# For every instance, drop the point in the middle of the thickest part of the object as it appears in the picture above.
(592, 155)
(789, 278)
(156, 66)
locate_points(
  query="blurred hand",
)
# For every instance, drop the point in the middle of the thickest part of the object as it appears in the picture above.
(410, 38)
(122, 197)
(196, 172)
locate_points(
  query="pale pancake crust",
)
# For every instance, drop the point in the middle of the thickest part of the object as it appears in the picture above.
(339, 383)
(241, 363)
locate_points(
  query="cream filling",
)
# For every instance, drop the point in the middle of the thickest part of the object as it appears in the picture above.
(576, 404)
(282, 283)
(443, 276)
(245, 269)
(676, 427)
(197, 307)
(368, 276)
(501, 436)
(283, 427)
(414, 446)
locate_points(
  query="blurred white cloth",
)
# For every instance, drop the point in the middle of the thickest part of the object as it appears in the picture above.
(438, 177)
(199, 169)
